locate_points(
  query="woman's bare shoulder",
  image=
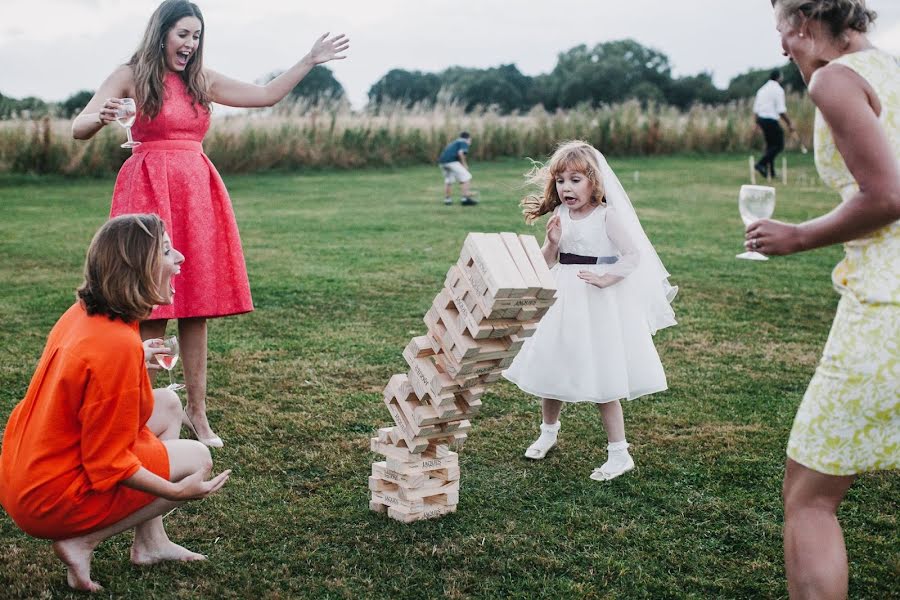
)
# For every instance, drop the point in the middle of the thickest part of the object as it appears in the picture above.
(120, 82)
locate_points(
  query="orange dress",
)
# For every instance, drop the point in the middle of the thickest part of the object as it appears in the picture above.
(80, 430)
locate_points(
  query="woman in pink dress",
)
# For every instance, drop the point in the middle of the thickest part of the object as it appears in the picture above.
(168, 174)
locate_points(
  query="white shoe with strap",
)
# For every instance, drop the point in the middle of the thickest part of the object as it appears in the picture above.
(618, 463)
(544, 443)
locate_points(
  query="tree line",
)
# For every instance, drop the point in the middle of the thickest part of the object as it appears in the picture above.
(606, 73)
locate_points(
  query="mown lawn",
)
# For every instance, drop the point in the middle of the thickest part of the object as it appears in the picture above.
(343, 266)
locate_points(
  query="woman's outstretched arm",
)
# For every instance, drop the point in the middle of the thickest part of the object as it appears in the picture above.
(232, 92)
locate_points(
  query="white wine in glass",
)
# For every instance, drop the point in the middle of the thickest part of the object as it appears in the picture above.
(755, 202)
(169, 359)
(125, 117)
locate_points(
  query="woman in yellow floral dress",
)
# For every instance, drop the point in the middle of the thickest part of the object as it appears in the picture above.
(849, 419)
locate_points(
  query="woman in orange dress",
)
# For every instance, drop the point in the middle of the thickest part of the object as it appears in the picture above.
(170, 175)
(92, 450)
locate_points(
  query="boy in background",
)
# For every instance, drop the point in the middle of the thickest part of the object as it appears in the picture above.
(454, 167)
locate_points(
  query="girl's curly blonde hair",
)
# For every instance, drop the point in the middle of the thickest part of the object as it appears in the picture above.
(574, 155)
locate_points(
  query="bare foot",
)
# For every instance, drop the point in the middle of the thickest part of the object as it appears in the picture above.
(169, 550)
(76, 554)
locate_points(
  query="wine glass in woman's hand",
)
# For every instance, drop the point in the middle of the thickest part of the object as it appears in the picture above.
(125, 115)
(755, 202)
(167, 361)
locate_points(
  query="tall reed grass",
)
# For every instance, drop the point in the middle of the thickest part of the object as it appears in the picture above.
(332, 135)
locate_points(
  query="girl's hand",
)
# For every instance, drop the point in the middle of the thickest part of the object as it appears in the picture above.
(601, 281)
(554, 230)
(193, 487)
(110, 110)
(325, 50)
(773, 238)
(152, 347)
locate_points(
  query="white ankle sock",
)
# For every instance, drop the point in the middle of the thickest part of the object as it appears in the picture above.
(548, 434)
(618, 446)
(618, 455)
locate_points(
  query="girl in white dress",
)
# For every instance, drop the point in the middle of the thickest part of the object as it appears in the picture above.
(594, 344)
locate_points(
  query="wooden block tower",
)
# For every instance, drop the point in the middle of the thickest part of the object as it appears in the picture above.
(492, 299)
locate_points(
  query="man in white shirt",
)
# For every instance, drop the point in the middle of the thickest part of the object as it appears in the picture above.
(768, 107)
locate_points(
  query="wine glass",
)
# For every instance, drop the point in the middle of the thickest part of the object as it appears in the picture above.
(755, 202)
(168, 361)
(125, 116)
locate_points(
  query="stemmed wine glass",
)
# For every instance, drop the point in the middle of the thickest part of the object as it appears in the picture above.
(755, 202)
(168, 360)
(125, 116)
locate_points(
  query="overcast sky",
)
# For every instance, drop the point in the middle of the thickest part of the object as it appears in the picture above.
(52, 48)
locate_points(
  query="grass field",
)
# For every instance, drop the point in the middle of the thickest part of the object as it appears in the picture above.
(343, 266)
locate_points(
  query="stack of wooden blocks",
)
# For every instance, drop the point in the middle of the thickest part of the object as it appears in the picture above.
(492, 299)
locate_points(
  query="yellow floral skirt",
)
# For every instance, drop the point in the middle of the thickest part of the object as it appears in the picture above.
(849, 419)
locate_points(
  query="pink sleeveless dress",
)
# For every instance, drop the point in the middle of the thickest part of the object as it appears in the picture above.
(168, 174)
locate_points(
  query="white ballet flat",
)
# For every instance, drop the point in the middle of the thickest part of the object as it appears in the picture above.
(599, 474)
(539, 449)
(213, 442)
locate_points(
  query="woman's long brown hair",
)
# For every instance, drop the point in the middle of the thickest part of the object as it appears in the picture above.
(149, 61)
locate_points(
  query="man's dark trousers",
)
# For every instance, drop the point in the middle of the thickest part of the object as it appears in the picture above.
(774, 135)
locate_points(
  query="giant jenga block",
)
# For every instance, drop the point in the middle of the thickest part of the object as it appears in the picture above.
(490, 304)
(533, 252)
(487, 259)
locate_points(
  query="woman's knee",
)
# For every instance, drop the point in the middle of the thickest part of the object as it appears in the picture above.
(202, 458)
(807, 489)
(168, 402)
(187, 457)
